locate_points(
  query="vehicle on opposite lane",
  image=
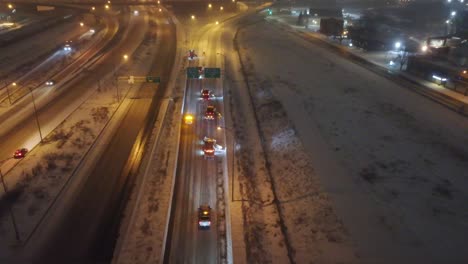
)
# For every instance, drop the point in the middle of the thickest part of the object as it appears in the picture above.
(67, 46)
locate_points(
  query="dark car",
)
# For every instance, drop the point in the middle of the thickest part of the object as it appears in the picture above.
(20, 153)
(204, 217)
(210, 112)
(206, 94)
(209, 147)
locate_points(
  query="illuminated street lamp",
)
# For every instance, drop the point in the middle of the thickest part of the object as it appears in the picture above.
(93, 8)
(10, 6)
(221, 8)
(106, 6)
(217, 23)
(160, 9)
(159, 2)
(397, 45)
(81, 24)
(454, 13)
(109, 2)
(424, 48)
(35, 112)
(193, 17)
(209, 5)
(125, 57)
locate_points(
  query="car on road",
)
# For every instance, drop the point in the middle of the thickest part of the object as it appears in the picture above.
(50, 82)
(188, 119)
(192, 54)
(209, 147)
(204, 217)
(20, 153)
(67, 46)
(206, 94)
(210, 113)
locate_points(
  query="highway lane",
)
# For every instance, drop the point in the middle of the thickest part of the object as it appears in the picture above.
(196, 178)
(24, 131)
(24, 51)
(87, 229)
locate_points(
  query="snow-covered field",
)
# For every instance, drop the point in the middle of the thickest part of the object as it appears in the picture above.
(287, 215)
(364, 171)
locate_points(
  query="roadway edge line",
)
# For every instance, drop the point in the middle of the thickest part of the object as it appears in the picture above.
(174, 78)
(227, 203)
(160, 120)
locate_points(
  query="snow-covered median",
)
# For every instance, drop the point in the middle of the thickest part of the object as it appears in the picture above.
(287, 215)
(392, 161)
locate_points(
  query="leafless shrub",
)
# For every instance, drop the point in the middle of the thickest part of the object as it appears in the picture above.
(37, 169)
(369, 175)
(60, 136)
(442, 190)
(39, 193)
(32, 209)
(51, 159)
(51, 165)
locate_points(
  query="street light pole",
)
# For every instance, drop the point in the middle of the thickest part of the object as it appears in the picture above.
(35, 114)
(116, 82)
(15, 227)
(8, 92)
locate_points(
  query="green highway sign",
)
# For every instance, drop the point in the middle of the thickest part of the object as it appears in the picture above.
(212, 72)
(153, 79)
(193, 73)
